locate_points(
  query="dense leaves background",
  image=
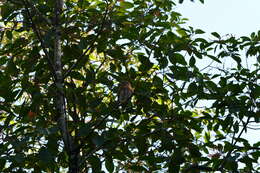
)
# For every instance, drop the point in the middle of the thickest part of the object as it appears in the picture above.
(182, 116)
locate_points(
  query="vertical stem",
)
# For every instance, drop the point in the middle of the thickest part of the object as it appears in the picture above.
(60, 98)
(60, 103)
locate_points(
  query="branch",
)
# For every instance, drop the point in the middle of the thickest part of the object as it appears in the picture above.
(74, 113)
(234, 143)
(39, 13)
(60, 99)
(39, 37)
(90, 49)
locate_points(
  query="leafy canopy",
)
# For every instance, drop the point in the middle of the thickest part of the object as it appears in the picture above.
(181, 117)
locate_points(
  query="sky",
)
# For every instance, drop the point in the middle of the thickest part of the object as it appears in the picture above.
(236, 17)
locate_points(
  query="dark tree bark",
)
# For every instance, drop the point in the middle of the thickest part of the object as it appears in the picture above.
(60, 97)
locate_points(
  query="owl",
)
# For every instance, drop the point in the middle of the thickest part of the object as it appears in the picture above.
(125, 92)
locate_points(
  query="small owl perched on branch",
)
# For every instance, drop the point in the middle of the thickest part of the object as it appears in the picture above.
(125, 92)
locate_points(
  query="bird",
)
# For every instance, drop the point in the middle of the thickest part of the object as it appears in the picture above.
(125, 92)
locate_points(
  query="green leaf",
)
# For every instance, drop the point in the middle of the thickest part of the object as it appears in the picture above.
(3, 60)
(214, 58)
(180, 73)
(126, 4)
(84, 130)
(84, 42)
(192, 89)
(212, 86)
(145, 43)
(194, 151)
(174, 168)
(176, 58)
(120, 155)
(11, 68)
(192, 61)
(177, 157)
(216, 35)
(237, 59)
(95, 102)
(236, 127)
(141, 145)
(137, 168)
(2, 163)
(231, 164)
(76, 75)
(9, 34)
(98, 140)
(146, 64)
(247, 160)
(95, 164)
(258, 58)
(6, 10)
(256, 91)
(207, 137)
(45, 156)
(163, 62)
(157, 81)
(109, 164)
(199, 31)
(19, 157)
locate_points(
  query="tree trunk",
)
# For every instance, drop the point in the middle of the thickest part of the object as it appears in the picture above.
(60, 98)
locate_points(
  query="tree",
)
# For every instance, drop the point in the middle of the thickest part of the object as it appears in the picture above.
(62, 64)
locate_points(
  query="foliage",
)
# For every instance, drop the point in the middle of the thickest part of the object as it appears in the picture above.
(162, 127)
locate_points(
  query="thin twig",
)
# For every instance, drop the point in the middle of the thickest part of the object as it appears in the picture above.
(48, 21)
(39, 37)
